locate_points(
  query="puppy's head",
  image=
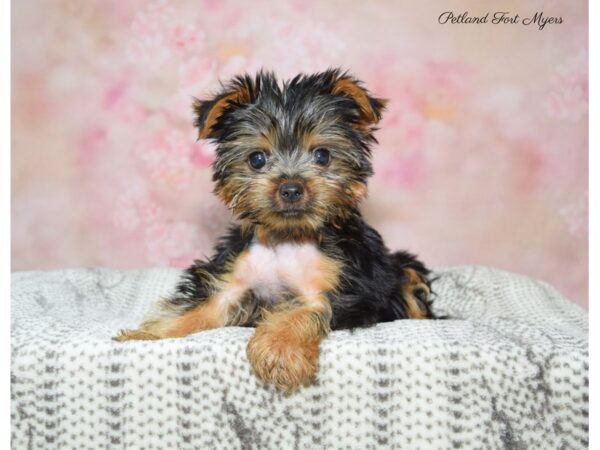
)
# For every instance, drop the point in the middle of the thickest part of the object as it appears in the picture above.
(291, 156)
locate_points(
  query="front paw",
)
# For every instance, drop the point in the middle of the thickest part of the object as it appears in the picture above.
(134, 335)
(283, 360)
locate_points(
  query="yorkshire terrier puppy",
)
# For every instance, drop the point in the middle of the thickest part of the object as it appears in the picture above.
(292, 165)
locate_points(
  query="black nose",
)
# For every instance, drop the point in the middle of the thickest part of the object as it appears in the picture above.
(291, 191)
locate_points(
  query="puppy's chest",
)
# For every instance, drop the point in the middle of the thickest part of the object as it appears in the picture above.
(268, 271)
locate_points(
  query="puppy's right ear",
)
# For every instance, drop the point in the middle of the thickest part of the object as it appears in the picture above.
(241, 91)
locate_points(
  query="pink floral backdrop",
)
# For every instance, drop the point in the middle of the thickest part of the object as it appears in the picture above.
(482, 156)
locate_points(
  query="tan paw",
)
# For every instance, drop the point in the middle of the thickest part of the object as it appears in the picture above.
(134, 335)
(416, 295)
(281, 361)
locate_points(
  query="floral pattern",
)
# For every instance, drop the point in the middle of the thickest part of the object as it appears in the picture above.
(477, 163)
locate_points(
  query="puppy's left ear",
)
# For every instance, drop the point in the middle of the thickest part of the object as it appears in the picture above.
(370, 107)
(240, 92)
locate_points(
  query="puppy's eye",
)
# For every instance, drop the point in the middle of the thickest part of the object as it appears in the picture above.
(322, 156)
(257, 160)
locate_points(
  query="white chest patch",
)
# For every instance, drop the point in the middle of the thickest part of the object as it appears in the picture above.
(268, 270)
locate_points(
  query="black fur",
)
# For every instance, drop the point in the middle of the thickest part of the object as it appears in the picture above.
(373, 279)
(370, 290)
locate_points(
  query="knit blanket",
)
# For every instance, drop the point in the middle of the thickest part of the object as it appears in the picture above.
(508, 370)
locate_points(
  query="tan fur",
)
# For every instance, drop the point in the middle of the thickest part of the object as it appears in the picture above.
(134, 335)
(358, 191)
(311, 282)
(413, 304)
(325, 277)
(284, 351)
(239, 96)
(283, 268)
(327, 200)
(323, 136)
(285, 348)
(350, 88)
(205, 316)
(270, 236)
(212, 313)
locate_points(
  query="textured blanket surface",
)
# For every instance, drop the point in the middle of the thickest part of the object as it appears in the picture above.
(509, 370)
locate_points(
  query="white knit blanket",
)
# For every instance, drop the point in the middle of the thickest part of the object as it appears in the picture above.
(508, 371)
